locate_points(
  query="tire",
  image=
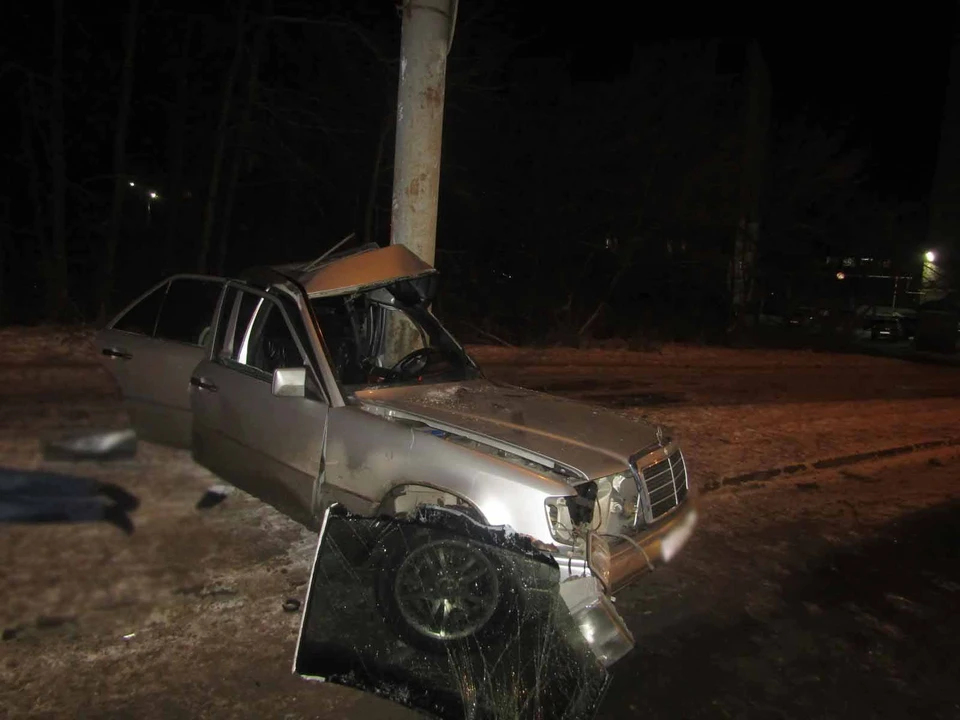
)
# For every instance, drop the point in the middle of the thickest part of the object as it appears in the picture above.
(441, 591)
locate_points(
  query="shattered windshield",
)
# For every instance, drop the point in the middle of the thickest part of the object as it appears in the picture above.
(374, 342)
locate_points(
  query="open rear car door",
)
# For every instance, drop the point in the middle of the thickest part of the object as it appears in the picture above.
(151, 349)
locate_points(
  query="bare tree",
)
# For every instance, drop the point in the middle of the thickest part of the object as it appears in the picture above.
(243, 134)
(6, 235)
(28, 115)
(57, 275)
(175, 146)
(119, 158)
(220, 142)
(386, 125)
(944, 222)
(814, 175)
(752, 176)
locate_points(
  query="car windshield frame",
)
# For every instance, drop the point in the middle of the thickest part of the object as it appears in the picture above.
(336, 341)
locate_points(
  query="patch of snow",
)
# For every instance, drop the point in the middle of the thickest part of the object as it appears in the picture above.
(673, 355)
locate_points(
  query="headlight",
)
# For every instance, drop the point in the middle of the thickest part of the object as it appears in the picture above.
(599, 622)
(558, 518)
(568, 513)
(607, 506)
(617, 503)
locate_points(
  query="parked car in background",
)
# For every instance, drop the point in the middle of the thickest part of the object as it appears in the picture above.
(887, 328)
(908, 325)
(802, 317)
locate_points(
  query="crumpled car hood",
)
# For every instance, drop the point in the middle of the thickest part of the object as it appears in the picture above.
(585, 438)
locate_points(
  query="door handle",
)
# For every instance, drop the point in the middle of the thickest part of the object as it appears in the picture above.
(202, 384)
(116, 353)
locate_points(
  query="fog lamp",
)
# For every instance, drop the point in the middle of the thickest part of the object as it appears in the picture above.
(601, 626)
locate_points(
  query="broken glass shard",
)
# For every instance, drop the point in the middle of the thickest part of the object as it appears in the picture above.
(446, 616)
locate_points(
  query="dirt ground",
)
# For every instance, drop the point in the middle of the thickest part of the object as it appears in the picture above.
(831, 595)
(827, 594)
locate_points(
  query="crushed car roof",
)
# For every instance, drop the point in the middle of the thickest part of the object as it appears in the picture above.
(359, 270)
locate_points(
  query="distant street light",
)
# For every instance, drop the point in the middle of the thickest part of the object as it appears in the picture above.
(151, 196)
(841, 275)
(931, 281)
(132, 184)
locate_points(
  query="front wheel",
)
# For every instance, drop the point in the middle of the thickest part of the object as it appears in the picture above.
(441, 591)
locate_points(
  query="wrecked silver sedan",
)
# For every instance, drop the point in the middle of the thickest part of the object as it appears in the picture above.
(331, 384)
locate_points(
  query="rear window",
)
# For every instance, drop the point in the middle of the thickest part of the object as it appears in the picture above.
(187, 311)
(142, 317)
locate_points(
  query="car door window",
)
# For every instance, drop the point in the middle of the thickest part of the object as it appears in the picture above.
(141, 318)
(272, 345)
(235, 319)
(255, 335)
(187, 310)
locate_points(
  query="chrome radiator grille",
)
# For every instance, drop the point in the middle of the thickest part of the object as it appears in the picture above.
(664, 485)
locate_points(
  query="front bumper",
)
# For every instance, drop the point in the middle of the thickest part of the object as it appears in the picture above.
(618, 562)
(650, 548)
(613, 566)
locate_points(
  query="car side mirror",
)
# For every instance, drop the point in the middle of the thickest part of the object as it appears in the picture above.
(290, 382)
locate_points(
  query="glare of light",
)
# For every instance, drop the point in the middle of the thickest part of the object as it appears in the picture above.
(677, 537)
(497, 512)
(132, 184)
(841, 275)
(153, 195)
(930, 256)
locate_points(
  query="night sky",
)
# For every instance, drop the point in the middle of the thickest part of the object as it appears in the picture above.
(880, 72)
(525, 178)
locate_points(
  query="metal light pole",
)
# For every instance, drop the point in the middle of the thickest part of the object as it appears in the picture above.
(426, 36)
